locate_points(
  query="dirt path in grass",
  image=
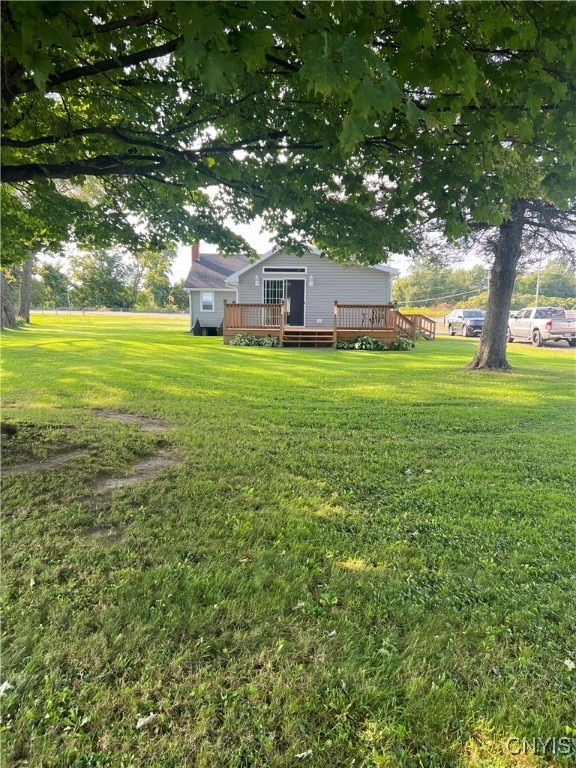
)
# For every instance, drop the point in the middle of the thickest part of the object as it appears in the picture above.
(146, 423)
(164, 458)
(57, 460)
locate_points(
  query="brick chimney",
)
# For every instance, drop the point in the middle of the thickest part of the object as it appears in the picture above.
(196, 252)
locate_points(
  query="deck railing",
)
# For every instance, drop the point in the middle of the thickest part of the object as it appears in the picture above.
(372, 317)
(424, 324)
(361, 318)
(253, 316)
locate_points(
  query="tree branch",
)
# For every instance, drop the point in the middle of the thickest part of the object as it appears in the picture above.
(132, 165)
(105, 165)
(99, 68)
(549, 227)
(40, 140)
(281, 63)
(129, 21)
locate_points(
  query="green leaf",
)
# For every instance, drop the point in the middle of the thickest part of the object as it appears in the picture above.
(353, 58)
(389, 95)
(470, 74)
(525, 130)
(219, 72)
(549, 50)
(533, 105)
(41, 66)
(366, 98)
(378, 97)
(321, 75)
(352, 132)
(253, 44)
(194, 52)
(413, 113)
(205, 22)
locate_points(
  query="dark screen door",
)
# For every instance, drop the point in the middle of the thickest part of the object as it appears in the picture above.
(295, 302)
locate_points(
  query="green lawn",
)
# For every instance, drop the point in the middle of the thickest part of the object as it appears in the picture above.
(362, 559)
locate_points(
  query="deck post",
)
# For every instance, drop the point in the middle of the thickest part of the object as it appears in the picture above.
(335, 342)
(282, 322)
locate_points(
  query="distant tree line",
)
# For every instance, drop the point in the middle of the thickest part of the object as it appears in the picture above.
(101, 278)
(429, 286)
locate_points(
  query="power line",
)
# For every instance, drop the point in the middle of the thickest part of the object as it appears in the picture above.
(448, 296)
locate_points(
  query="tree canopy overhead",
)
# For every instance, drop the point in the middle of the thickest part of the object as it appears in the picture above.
(342, 124)
(161, 101)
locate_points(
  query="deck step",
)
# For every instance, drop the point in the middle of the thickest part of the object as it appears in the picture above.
(308, 335)
(305, 337)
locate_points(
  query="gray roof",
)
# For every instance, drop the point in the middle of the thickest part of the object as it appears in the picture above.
(211, 271)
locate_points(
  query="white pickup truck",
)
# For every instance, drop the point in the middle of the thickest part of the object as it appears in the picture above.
(540, 324)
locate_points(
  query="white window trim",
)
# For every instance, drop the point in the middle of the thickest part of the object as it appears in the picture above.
(207, 293)
(287, 270)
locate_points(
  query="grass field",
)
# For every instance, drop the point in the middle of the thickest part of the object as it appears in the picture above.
(360, 559)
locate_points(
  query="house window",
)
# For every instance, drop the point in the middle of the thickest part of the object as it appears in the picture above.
(273, 291)
(207, 302)
(284, 270)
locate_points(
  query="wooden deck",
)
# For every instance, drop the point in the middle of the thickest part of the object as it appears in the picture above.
(380, 321)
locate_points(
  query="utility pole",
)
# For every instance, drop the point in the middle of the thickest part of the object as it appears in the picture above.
(538, 283)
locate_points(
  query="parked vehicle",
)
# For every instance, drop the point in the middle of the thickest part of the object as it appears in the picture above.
(468, 322)
(540, 324)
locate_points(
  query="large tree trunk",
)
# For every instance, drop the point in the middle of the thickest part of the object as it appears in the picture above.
(7, 313)
(25, 288)
(491, 353)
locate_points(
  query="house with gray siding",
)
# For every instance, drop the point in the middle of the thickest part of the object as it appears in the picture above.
(309, 285)
(208, 290)
(300, 300)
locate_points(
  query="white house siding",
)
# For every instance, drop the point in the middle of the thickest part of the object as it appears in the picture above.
(347, 284)
(209, 318)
